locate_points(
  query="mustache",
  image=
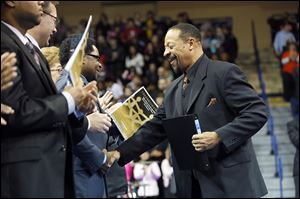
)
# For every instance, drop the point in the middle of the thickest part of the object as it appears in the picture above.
(170, 57)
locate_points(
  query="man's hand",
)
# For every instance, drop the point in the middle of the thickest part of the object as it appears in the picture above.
(111, 157)
(77, 93)
(105, 100)
(5, 110)
(89, 102)
(8, 69)
(85, 98)
(99, 122)
(113, 107)
(205, 141)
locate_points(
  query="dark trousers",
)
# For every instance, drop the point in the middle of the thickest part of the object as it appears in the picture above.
(196, 190)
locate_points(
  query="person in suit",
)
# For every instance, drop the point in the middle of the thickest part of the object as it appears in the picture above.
(229, 110)
(89, 179)
(293, 132)
(92, 182)
(87, 156)
(36, 145)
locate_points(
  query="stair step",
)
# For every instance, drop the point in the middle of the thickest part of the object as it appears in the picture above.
(286, 159)
(287, 193)
(271, 161)
(266, 150)
(260, 139)
(270, 169)
(273, 183)
(271, 173)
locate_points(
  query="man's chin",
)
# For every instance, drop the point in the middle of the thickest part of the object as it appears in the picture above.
(176, 69)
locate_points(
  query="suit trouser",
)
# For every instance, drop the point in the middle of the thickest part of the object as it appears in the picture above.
(196, 190)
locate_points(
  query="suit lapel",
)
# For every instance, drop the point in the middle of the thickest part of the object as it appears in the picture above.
(178, 96)
(26, 52)
(173, 95)
(198, 82)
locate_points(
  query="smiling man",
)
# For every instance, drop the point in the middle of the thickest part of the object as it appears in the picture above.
(229, 110)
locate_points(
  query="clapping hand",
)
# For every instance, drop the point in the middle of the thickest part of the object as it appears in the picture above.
(8, 69)
(8, 73)
(105, 100)
(88, 103)
(99, 122)
(5, 110)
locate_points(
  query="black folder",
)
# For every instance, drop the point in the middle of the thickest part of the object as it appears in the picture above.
(180, 131)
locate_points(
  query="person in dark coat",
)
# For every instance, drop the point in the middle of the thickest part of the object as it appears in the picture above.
(230, 113)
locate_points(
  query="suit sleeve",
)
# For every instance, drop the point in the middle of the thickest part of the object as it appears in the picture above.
(246, 105)
(89, 154)
(149, 135)
(78, 128)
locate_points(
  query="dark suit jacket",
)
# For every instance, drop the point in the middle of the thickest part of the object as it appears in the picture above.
(36, 145)
(238, 114)
(90, 182)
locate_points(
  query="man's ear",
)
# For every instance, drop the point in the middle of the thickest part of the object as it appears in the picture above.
(191, 43)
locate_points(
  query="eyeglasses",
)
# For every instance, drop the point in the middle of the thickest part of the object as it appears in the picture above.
(56, 70)
(56, 20)
(95, 56)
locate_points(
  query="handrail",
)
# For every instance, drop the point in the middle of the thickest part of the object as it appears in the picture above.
(270, 124)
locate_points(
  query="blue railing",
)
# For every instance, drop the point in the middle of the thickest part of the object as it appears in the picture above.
(270, 124)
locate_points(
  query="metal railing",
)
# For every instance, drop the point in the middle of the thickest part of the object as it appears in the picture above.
(270, 123)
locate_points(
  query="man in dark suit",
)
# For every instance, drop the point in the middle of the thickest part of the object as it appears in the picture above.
(91, 181)
(36, 145)
(229, 110)
(88, 157)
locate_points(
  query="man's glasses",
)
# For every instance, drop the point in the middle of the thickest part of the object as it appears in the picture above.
(95, 56)
(56, 70)
(56, 20)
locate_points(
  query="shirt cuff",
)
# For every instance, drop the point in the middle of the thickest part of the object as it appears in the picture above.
(89, 123)
(104, 160)
(70, 101)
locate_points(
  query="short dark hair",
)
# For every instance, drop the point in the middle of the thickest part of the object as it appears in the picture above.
(46, 5)
(187, 30)
(68, 46)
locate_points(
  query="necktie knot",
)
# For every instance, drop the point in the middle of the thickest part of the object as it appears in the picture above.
(30, 47)
(186, 81)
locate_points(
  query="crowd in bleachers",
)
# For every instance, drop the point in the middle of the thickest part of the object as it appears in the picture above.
(132, 49)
